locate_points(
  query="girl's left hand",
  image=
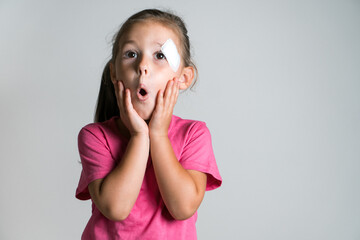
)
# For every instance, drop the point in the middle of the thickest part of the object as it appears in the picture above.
(165, 103)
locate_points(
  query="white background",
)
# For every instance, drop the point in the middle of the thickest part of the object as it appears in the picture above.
(279, 88)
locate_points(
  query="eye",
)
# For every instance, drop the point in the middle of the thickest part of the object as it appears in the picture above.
(130, 54)
(160, 55)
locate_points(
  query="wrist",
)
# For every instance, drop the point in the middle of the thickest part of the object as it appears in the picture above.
(158, 135)
(139, 135)
(140, 138)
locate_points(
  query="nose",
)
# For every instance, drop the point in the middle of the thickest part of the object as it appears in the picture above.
(143, 70)
(143, 66)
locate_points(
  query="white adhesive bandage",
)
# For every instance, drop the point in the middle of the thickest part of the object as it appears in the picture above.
(171, 54)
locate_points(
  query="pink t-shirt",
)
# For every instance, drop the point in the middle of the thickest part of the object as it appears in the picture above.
(101, 147)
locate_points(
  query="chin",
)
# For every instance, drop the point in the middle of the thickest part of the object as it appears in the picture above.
(146, 115)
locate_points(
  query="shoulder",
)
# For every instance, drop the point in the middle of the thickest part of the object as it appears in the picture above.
(187, 125)
(100, 126)
(179, 124)
(188, 130)
(100, 130)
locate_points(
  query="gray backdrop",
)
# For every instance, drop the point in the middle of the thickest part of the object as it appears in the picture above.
(279, 89)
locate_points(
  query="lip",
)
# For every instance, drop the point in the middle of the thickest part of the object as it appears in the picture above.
(141, 97)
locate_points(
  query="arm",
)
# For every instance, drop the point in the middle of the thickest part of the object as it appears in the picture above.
(116, 194)
(182, 190)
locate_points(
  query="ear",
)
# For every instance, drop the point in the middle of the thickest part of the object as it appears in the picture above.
(186, 77)
(112, 73)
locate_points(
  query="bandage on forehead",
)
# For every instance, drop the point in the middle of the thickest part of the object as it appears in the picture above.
(171, 54)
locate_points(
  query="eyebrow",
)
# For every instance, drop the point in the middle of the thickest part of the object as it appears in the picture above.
(133, 42)
(129, 42)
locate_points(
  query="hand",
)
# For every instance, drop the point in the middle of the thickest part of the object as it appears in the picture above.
(165, 103)
(130, 118)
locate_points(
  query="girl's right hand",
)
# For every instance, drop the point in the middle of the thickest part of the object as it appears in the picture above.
(130, 118)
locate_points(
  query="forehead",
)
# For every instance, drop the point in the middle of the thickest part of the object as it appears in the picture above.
(150, 30)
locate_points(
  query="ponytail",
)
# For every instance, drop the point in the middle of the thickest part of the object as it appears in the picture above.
(106, 106)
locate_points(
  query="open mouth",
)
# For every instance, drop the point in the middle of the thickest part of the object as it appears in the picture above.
(143, 92)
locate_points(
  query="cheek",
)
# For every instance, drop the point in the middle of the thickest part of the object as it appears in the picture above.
(163, 83)
(164, 77)
(166, 72)
(124, 73)
(123, 69)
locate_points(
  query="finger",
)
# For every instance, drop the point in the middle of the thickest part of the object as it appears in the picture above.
(173, 97)
(168, 89)
(121, 89)
(158, 105)
(128, 104)
(116, 89)
(159, 100)
(175, 90)
(167, 94)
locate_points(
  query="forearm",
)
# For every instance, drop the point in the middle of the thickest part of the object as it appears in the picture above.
(119, 190)
(176, 185)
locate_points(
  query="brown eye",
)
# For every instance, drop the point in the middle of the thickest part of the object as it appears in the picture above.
(130, 54)
(160, 55)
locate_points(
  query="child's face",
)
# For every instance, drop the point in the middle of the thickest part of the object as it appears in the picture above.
(142, 66)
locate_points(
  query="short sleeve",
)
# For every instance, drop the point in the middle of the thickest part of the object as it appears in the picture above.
(96, 159)
(198, 154)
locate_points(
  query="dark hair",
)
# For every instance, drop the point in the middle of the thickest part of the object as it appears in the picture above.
(106, 104)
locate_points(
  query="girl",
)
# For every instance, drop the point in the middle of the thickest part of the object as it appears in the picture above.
(145, 170)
